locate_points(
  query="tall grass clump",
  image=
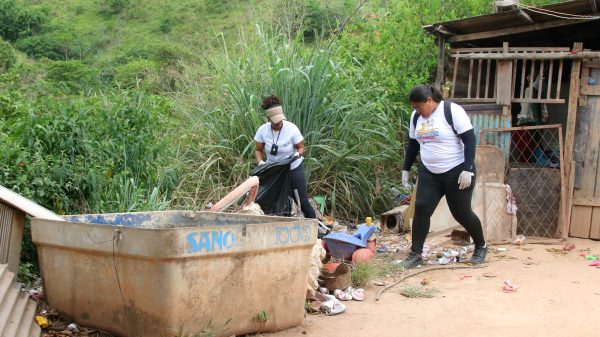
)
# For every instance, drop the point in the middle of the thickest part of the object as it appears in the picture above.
(349, 136)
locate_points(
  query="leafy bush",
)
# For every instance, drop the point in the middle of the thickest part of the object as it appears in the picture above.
(99, 153)
(7, 56)
(50, 46)
(113, 7)
(135, 74)
(18, 21)
(74, 75)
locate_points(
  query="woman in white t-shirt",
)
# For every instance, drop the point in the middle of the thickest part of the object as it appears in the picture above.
(446, 141)
(280, 139)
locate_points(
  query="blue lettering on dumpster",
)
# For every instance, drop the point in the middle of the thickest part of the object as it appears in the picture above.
(293, 234)
(210, 241)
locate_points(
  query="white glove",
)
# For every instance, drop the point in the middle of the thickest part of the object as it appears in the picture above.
(405, 183)
(464, 179)
(297, 154)
(262, 162)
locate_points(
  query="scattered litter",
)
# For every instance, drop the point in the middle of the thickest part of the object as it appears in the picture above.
(397, 262)
(465, 277)
(73, 327)
(424, 282)
(511, 201)
(358, 294)
(595, 263)
(509, 287)
(443, 260)
(382, 250)
(569, 246)
(332, 306)
(591, 257)
(343, 295)
(489, 275)
(36, 294)
(519, 239)
(501, 249)
(323, 290)
(380, 283)
(426, 252)
(42, 321)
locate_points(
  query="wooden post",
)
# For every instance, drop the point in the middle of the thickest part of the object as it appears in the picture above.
(570, 190)
(572, 109)
(439, 79)
(483, 189)
(563, 193)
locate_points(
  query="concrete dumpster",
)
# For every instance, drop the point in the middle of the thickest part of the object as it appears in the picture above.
(176, 273)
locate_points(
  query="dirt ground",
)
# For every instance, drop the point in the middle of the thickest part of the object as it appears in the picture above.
(558, 295)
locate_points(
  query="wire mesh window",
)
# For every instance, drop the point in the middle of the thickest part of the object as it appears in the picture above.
(533, 171)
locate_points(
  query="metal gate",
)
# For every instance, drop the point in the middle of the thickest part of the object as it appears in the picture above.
(534, 171)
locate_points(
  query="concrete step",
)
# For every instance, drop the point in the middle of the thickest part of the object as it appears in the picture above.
(34, 330)
(6, 279)
(17, 314)
(28, 318)
(8, 303)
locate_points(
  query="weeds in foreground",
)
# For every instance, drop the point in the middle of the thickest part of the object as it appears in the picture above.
(363, 273)
(418, 291)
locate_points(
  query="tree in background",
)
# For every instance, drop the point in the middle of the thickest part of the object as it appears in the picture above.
(7, 56)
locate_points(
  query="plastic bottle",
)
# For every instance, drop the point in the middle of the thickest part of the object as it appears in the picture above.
(372, 240)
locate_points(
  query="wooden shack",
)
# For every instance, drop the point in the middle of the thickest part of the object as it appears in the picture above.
(503, 65)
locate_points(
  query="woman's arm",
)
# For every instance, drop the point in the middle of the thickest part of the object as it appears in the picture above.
(469, 141)
(258, 153)
(300, 148)
(412, 149)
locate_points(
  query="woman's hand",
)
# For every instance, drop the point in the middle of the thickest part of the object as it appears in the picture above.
(300, 148)
(464, 179)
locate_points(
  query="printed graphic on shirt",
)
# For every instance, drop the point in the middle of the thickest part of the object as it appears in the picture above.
(427, 131)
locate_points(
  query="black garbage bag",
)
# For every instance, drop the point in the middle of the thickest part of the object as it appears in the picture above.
(274, 187)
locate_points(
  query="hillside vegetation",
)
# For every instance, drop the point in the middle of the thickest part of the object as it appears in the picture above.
(123, 105)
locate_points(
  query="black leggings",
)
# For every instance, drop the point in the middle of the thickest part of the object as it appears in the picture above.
(298, 178)
(431, 188)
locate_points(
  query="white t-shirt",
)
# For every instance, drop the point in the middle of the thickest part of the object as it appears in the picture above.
(286, 138)
(441, 149)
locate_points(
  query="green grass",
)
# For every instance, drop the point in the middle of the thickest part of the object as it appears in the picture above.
(363, 273)
(418, 291)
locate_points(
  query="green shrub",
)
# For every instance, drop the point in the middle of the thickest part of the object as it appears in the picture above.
(100, 153)
(18, 21)
(44, 46)
(135, 74)
(7, 56)
(113, 7)
(74, 75)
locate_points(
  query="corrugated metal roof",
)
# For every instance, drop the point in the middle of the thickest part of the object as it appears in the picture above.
(512, 18)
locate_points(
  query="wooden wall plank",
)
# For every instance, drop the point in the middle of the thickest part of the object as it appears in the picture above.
(550, 74)
(504, 82)
(595, 224)
(582, 215)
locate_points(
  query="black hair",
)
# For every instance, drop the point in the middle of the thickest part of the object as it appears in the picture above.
(270, 101)
(420, 93)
